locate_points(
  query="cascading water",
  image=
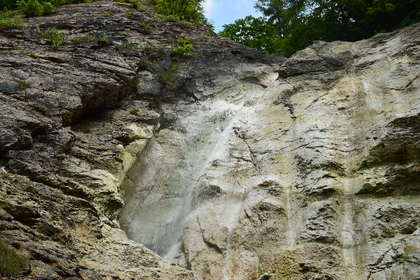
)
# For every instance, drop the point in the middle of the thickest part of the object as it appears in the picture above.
(202, 137)
(174, 201)
(167, 182)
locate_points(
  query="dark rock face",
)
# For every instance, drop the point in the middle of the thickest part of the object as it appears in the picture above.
(325, 151)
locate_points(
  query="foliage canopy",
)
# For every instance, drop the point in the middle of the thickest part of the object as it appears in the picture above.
(254, 33)
(299, 22)
(190, 10)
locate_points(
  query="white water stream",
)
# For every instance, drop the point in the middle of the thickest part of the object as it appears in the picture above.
(156, 212)
(165, 181)
(206, 131)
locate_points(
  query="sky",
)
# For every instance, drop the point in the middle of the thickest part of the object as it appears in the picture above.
(220, 12)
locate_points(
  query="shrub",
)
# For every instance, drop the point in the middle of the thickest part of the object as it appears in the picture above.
(169, 78)
(56, 38)
(136, 4)
(9, 20)
(190, 10)
(103, 38)
(31, 8)
(11, 263)
(47, 8)
(184, 49)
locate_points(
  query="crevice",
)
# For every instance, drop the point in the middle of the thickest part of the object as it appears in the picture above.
(208, 243)
(242, 137)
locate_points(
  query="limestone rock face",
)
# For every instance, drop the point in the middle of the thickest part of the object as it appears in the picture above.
(229, 165)
(305, 170)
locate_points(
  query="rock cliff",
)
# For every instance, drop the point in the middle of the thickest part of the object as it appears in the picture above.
(229, 163)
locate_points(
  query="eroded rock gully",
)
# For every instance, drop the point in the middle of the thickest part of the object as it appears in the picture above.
(232, 164)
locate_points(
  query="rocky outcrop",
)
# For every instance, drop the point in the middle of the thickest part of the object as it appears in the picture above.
(313, 174)
(74, 119)
(230, 163)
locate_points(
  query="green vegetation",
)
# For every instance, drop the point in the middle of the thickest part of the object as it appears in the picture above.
(31, 54)
(254, 33)
(33, 8)
(103, 38)
(77, 39)
(169, 79)
(11, 263)
(8, 19)
(21, 85)
(184, 49)
(146, 26)
(182, 11)
(136, 4)
(299, 22)
(189, 10)
(159, 18)
(149, 53)
(134, 111)
(168, 76)
(56, 39)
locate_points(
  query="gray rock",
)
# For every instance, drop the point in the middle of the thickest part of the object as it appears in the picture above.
(234, 164)
(313, 175)
(8, 87)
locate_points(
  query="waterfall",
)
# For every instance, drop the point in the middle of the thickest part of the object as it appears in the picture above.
(172, 180)
(156, 211)
(206, 128)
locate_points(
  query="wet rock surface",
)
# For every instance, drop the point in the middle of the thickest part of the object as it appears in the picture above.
(232, 164)
(312, 174)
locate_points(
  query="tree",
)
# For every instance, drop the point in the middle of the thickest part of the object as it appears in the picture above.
(388, 15)
(254, 33)
(299, 22)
